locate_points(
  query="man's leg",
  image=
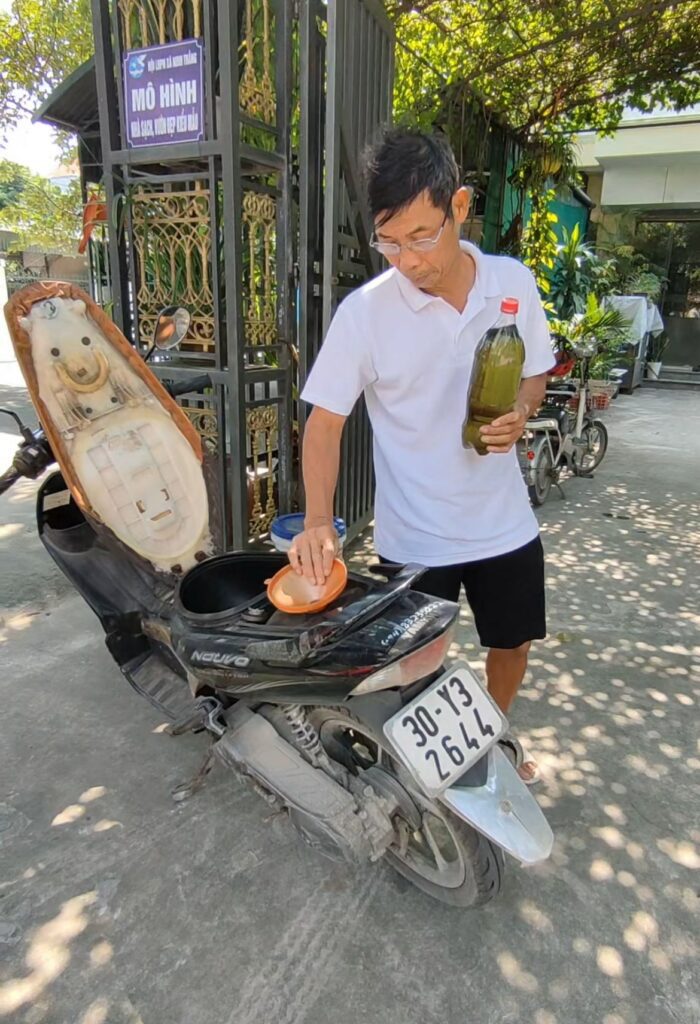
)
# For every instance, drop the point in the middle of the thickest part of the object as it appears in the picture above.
(505, 671)
(506, 595)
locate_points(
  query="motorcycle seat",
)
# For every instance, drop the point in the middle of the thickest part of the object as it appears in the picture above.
(129, 454)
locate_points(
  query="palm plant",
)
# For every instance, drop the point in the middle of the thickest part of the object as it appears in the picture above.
(607, 329)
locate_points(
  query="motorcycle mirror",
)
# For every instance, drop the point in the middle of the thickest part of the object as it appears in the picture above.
(24, 431)
(171, 327)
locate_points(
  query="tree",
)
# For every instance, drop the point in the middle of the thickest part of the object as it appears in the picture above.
(39, 213)
(41, 43)
(540, 70)
(13, 181)
(549, 65)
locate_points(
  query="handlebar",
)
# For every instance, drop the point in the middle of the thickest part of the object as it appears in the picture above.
(31, 459)
(8, 479)
(186, 386)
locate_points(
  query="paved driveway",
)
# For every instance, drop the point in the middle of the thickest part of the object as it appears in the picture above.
(120, 906)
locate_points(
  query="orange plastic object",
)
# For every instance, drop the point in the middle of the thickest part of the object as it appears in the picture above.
(296, 595)
(95, 212)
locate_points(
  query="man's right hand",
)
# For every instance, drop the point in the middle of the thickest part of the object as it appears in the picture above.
(313, 551)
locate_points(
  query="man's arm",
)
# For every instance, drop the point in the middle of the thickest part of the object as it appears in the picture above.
(502, 434)
(313, 551)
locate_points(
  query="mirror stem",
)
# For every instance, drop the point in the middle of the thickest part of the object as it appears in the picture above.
(24, 431)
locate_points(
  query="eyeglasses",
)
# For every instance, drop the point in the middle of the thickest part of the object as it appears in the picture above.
(420, 245)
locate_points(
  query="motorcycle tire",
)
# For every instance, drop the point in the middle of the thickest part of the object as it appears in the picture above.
(466, 869)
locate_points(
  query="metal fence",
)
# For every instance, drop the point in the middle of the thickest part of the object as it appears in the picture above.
(17, 281)
(224, 227)
(358, 52)
(206, 224)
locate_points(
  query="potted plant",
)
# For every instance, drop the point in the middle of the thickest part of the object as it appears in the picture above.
(630, 273)
(577, 272)
(646, 283)
(608, 329)
(655, 352)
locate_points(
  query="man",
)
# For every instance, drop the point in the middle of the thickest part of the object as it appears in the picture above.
(406, 340)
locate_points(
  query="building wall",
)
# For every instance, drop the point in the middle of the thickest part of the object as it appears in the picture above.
(569, 213)
(648, 163)
(568, 210)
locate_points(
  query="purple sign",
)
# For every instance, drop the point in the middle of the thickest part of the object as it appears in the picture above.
(164, 94)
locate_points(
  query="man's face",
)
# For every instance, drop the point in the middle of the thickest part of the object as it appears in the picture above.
(422, 220)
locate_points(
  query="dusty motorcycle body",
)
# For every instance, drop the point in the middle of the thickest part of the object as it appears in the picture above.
(340, 718)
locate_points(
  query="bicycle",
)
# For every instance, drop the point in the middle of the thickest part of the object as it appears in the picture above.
(557, 437)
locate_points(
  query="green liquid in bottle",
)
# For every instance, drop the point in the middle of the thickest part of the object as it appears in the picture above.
(495, 381)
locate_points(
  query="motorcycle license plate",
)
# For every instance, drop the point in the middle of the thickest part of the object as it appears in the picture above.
(445, 730)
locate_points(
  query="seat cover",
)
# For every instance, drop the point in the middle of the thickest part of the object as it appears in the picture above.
(127, 451)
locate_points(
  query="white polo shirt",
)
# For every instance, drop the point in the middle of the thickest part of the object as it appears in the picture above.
(411, 354)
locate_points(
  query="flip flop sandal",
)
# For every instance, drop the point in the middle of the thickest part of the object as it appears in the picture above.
(514, 749)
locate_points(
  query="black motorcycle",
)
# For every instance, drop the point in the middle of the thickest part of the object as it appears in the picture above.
(351, 720)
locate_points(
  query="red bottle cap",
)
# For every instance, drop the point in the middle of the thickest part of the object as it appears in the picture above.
(509, 306)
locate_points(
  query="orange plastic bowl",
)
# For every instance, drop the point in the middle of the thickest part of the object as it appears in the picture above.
(296, 595)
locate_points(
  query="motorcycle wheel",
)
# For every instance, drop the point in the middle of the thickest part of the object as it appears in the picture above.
(445, 858)
(543, 469)
(587, 457)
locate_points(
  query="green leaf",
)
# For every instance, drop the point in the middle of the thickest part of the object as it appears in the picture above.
(38, 212)
(545, 68)
(41, 43)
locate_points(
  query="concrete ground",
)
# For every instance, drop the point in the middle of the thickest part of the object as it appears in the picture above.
(120, 906)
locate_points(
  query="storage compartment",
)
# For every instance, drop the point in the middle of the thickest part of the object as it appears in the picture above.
(227, 583)
(61, 523)
(56, 506)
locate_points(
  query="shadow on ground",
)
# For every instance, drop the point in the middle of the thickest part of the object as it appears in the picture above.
(122, 906)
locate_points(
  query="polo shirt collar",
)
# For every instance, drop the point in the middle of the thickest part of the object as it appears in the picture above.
(485, 283)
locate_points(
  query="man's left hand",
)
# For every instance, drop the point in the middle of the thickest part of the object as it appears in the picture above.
(503, 433)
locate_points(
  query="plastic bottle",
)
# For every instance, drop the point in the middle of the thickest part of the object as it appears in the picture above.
(495, 381)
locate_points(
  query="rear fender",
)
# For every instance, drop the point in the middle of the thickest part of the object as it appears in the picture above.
(504, 810)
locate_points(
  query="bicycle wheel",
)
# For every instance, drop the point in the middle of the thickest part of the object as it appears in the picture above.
(589, 454)
(543, 471)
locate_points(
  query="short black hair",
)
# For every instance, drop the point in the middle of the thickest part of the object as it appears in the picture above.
(405, 163)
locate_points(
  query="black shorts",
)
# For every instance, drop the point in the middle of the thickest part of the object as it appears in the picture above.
(505, 594)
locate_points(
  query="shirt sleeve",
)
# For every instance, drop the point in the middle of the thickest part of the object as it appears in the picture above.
(343, 366)
(539, 356)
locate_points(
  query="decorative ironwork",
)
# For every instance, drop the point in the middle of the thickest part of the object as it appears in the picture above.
(172, 239)
(217, 227)
(260, 300)
(256, 92)
(149, 22)
(262, 430)
(205, 422)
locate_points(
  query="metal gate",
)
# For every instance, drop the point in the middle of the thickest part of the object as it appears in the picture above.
(359, 59)
(222, 226)
(206, 224)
